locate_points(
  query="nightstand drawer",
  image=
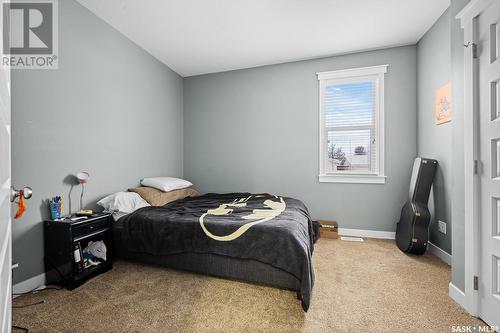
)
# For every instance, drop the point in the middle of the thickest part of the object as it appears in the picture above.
(90, 228)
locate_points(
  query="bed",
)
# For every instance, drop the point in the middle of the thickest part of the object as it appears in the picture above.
(258, 238)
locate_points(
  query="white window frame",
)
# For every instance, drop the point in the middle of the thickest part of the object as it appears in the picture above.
(376, 73)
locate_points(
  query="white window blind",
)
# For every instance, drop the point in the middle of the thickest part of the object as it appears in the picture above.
(351, 141)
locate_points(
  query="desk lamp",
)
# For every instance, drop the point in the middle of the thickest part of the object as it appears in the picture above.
(83, 178)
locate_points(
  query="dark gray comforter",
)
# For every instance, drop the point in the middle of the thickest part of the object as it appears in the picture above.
(274, 230)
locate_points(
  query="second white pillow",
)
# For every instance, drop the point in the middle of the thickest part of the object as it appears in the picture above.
(166, 184)
(122, 202)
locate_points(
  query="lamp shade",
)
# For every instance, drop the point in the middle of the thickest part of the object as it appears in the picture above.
(83, 177)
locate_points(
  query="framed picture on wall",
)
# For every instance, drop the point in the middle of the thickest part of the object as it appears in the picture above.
(443, 104)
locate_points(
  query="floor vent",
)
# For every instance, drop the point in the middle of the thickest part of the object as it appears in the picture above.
(351, 239)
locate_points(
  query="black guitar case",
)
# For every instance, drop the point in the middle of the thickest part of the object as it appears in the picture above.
(412, 232)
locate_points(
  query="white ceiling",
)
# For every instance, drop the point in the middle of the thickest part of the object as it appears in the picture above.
(201, 36)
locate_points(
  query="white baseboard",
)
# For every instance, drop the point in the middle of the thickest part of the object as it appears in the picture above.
(367, 233)
(440, 253)
(36, 282)
(457, 295)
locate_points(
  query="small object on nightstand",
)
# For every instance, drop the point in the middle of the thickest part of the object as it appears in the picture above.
(328, 229)
(78, 256)
(56, 207)
(68, 243)
(76, 218)
(87, 212)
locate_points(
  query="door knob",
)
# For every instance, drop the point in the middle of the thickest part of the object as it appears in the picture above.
(26, 192)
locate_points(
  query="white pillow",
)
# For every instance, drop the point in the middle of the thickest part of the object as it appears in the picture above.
(166, 184)
(122, 202)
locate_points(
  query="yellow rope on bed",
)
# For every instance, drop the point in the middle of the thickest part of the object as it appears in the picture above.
(274, 209)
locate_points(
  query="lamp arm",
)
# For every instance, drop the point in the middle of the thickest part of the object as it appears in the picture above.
(81, 196)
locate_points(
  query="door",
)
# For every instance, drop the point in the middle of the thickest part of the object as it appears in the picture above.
(5, 218)
(488, 47)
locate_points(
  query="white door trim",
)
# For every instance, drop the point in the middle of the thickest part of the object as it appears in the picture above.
(467, 18)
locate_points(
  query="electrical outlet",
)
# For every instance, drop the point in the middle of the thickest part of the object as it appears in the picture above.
(442, 227)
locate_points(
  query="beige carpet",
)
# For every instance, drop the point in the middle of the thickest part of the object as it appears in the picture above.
(368, 286)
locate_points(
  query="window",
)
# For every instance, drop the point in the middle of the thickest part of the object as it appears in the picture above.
(352, 125)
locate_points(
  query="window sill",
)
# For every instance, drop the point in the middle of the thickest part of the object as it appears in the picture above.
(353, 179)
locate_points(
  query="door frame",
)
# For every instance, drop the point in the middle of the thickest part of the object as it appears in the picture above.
(469, 299)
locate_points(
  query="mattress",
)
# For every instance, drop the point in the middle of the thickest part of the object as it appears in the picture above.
(247, 270)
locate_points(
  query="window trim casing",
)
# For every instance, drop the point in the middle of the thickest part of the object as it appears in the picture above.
(348, 74)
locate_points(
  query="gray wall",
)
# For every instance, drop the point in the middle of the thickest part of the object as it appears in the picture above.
(110, 109)
(458, 199)
(257, 130)
(434, 68)
(435, 141)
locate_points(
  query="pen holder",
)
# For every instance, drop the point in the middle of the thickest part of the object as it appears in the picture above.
(55, 210)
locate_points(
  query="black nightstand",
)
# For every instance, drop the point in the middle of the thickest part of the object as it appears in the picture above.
(64, 243)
